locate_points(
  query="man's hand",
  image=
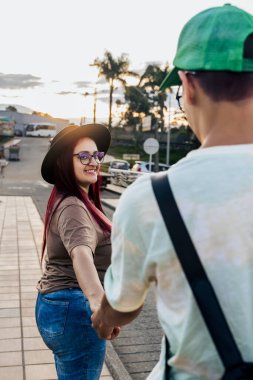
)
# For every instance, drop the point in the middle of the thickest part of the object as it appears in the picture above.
(104, 331)
(107, 322)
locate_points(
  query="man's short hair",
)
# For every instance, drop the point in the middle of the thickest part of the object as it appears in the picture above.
(225, 85)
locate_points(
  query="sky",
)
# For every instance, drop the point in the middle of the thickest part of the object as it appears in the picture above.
(47, 47)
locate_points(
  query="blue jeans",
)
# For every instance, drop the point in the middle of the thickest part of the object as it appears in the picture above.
(63, 320)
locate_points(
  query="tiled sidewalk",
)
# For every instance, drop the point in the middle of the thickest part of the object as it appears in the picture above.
(23, 354)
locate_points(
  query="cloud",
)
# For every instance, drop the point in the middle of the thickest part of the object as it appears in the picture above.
(100, 93)
(10, 96)
(19, 81)
(83, 84)
(117, 91)
(67, 93)
(102, 81)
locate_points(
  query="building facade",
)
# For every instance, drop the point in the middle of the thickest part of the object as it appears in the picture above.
(23, 119)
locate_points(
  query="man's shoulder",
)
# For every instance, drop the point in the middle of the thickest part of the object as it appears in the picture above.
(137, 189)
(137, 196)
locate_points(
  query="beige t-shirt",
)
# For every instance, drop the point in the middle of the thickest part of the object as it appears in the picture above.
(72, 225)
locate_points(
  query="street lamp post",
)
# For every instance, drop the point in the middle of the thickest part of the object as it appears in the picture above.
(95, 105)
(83, 118)
(168, 135)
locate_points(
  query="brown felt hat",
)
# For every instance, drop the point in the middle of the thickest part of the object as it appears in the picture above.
(97, 132)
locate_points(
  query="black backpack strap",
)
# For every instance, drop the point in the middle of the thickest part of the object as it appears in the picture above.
(195, 273)
(167, 356)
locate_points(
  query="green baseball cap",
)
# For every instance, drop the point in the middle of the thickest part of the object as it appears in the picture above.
(213, 40)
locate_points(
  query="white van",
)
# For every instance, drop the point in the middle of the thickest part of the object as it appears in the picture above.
(41, 130)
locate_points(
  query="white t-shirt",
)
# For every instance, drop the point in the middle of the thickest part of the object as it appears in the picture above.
(213, 188)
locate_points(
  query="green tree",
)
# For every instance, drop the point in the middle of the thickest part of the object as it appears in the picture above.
(11, 108)
(151, 81)
(184, 135)
(137, 105)
(113, 70)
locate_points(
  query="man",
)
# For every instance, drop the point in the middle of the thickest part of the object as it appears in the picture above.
(213, 187)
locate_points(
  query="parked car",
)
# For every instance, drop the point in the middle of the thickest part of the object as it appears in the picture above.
(18, 132)
(119, 165)
(106, 179)
(143, 167)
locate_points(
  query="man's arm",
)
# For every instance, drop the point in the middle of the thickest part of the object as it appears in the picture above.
(107, 321)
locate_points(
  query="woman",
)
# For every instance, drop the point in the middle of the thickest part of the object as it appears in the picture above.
(77, 236)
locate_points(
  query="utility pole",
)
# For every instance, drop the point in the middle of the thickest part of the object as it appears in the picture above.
(168, 135)
(157, 154)
(83, 118)
(95, 105)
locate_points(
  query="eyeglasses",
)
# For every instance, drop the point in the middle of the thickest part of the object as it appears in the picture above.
(179, 97)
(179, 94)
(85, 157)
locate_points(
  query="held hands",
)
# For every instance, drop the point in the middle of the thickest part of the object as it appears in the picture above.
(90, 284)
(95, 305)
(107, 321)
(103, 330)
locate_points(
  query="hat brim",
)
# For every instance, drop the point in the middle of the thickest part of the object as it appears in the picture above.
(97, 132)
(171, 79)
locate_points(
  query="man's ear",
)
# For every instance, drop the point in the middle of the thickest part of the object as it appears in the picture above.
(189, 87)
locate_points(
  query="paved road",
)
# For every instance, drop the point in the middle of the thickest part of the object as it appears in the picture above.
(23, 177)
(138, 346)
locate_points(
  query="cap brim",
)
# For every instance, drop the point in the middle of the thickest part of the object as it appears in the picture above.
(171, 79)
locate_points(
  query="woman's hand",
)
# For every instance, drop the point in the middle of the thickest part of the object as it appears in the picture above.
(95, 304)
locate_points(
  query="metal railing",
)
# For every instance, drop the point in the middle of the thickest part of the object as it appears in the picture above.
(123, 178)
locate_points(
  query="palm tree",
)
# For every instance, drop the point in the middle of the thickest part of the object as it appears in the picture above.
(151, 81)
(113, 70)
(137, 105)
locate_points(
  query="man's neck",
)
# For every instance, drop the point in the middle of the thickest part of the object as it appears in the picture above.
(226, 123)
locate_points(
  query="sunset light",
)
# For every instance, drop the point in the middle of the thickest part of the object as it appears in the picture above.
(47, 48)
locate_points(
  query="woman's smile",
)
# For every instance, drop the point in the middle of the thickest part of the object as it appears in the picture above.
(86, 174)
(91, 171)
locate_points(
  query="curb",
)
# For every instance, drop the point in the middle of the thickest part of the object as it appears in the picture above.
(115, 365)
(38, 207)
(112, 191)
(108, 205)
(11, 142)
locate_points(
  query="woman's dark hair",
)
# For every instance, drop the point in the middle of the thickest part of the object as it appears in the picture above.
(66, 185)
(227, 85)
